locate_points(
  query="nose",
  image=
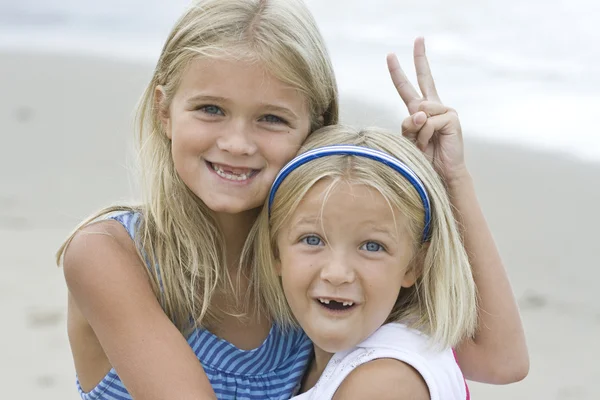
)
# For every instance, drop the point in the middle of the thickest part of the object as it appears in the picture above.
(237, 139)
(338, 269)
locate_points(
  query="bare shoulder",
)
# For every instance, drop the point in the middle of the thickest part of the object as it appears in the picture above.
(99, 254)
(386, 379)
(93, 241)
(104, 273)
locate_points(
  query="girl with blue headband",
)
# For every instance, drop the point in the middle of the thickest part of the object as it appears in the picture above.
(360, 248)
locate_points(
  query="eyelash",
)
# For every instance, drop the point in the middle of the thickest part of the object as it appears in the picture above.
(305, 240)
(278, 120)
(380, 248)
(205, 108)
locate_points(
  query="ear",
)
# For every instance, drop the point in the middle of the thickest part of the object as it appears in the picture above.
(320, 123)
(410, 277)
(415, 268)
(278, 267)
(163, 109)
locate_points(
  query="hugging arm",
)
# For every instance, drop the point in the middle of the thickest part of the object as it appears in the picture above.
(109, 288)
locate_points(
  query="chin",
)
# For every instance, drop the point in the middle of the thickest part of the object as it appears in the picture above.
(226, 206)
(334, 344)
(336, 347)
(226, 209)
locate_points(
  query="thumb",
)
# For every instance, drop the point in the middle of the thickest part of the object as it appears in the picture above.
(413, 124)
(419, 118)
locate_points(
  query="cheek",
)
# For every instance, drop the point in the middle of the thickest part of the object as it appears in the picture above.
(279, 150)
(185, 154)
(187, 125)
(295, 275)
(294, 293)
(190, 135)
(383, 292)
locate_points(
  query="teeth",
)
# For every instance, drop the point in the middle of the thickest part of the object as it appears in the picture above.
(231, 177)
(345, 303)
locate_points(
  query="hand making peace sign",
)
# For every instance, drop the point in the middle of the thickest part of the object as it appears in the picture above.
(434, 127)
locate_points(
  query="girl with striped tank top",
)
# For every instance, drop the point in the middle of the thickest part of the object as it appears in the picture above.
(161, 303)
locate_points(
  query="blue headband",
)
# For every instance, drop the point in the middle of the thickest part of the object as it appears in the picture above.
(351, 150)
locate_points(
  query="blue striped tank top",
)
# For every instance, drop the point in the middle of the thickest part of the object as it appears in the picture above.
(271, 371)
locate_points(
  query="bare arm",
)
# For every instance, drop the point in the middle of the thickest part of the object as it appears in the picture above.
(108, 283)
(498, 352)
(383, 379)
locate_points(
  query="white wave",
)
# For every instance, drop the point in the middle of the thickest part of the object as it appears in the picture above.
(524, 72)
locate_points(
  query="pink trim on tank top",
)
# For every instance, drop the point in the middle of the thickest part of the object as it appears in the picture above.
(466, 386)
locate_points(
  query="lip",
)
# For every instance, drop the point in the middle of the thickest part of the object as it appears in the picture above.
(233, 167)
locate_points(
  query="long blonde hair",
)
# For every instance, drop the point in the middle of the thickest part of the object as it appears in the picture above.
(177, 234)
(442, 303)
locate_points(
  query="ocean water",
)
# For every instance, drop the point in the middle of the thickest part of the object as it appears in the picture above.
(521, 72)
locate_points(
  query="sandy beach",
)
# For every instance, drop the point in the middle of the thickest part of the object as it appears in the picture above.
(66, 135)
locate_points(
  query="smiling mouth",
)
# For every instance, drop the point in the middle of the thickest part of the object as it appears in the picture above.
(334, 305)
(232, 174)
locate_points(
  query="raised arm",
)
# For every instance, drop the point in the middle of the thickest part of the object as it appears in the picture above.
(109, 287)
(498, 352)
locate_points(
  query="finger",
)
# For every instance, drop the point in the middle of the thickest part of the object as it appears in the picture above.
(424, 77)
(405, 89)
(446, 124)
(432, 108)
(425, 134)
(412, 125)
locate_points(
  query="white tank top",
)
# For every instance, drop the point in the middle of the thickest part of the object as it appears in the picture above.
(437, 367)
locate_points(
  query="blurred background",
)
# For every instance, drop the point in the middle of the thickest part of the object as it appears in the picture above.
(522, 75)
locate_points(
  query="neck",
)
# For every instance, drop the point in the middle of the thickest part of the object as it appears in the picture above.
(320, 360)
(235, 229)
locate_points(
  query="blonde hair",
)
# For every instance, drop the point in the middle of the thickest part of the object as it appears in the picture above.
(442, 303)
(177, 233)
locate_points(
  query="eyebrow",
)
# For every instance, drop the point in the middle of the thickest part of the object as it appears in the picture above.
(306, 221)
(202, 97)
(315, 220)
(280, 109)
(219, 99)
(377, 228)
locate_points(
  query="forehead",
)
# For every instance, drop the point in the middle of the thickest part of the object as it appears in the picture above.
(347, 203)
(237, 78)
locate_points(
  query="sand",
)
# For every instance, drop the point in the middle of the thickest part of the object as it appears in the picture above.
(66, 134)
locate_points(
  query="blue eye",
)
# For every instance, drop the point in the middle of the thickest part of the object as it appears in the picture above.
(312, 240)
(372, 246)
(210, 109)
(273, 119)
